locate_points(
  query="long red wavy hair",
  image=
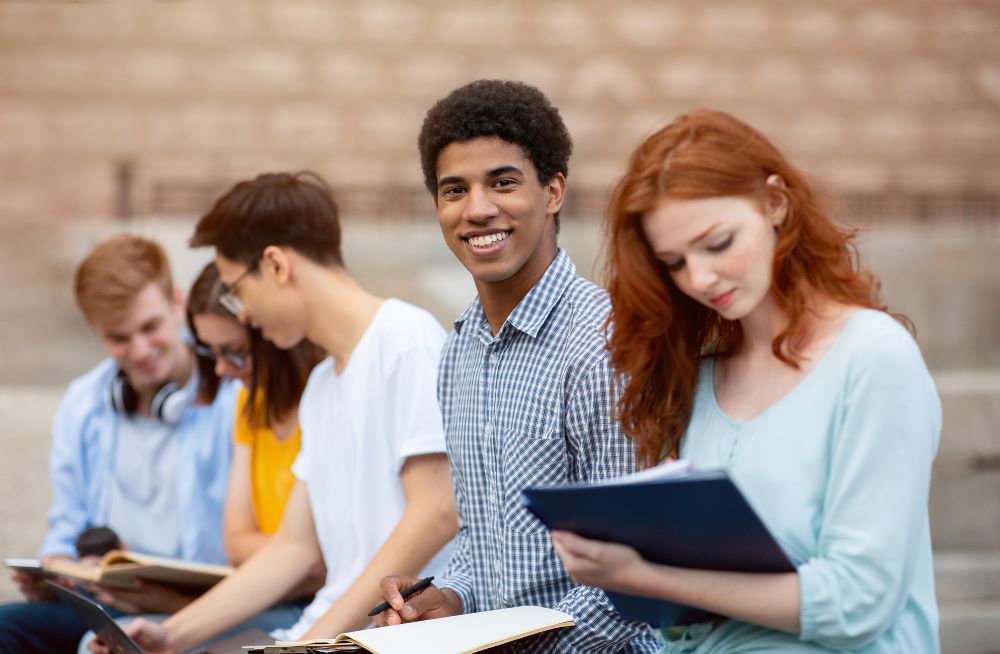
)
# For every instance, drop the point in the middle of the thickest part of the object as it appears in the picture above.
(657, 334)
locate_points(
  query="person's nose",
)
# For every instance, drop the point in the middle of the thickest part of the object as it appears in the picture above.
(701, 275)
(479, 205)
(139, 348)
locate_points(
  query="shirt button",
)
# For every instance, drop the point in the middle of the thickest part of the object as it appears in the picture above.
(488, 428)
(494, 359)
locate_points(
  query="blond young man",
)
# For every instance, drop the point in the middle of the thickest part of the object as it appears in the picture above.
(130, 447)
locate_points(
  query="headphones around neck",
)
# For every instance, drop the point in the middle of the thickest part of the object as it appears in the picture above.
(167, 406)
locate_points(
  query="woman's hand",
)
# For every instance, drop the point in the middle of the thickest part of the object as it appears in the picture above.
(595, 563)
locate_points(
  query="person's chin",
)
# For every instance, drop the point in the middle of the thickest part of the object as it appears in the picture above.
(149, 383)
(283, 341)
(492, 270)
(148, 376)
(733, 312)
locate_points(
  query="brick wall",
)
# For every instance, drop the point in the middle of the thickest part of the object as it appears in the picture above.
(874, 98)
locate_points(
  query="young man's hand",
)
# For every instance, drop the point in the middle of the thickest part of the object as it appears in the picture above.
(428, 604)
(149, 636)
(31, 585)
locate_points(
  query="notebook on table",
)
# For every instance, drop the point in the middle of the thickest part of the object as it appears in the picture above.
(457, 634)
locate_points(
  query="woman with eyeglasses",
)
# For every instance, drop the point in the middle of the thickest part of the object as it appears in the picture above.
(266, 433)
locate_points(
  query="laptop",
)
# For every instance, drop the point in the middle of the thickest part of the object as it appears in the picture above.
(112, 635)
(97, 620)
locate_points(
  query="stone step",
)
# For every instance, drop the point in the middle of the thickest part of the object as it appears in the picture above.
(970, 627)
(967, 576)
(965, 490)
(968, 591)
(965, 509)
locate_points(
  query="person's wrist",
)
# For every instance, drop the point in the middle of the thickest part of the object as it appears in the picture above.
(639, 578)
(453, 600)
(173, 637)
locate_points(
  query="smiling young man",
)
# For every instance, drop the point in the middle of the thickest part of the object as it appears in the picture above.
(131, 448)
(525, 388)
(372, 492)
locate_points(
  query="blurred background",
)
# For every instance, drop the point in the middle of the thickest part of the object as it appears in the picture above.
(136, 115)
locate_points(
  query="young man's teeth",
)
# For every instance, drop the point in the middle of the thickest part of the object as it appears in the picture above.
(487, 240)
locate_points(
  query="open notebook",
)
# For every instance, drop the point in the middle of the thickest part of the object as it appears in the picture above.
(120, 569)
(459, 634)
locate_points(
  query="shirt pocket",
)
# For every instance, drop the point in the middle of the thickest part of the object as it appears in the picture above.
(530, 460)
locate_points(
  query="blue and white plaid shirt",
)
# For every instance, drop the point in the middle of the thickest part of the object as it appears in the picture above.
(532, 405)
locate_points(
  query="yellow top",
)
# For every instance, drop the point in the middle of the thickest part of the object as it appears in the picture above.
(271, 460)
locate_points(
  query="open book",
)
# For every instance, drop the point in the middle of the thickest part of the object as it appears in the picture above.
(672, 515)
(459, 634)
(120, 569)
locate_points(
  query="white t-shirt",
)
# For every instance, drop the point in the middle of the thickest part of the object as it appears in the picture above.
(358, 428)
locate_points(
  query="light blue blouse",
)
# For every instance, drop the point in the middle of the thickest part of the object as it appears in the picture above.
(839, 470)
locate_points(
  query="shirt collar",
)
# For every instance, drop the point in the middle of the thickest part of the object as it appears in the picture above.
(534, 308)
(473, 314)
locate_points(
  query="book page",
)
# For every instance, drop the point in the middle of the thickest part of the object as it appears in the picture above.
(677, 468)
(23, 564)
(287, 648)
(74, 569)
(121, 568)
(115, 557)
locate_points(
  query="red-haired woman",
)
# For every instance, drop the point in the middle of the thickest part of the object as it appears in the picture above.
(747, 338)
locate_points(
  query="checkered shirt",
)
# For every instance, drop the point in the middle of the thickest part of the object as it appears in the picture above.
(530, 406)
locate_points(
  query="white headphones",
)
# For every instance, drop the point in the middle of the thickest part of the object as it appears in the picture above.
(167, 406)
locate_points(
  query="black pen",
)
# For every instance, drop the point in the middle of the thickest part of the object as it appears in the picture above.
(415, 588)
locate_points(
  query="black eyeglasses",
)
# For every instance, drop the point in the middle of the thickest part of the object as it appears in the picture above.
(237, 360)
(228, 298)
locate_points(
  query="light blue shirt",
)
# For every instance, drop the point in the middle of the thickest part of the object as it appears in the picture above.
(839, 470)
(81, 465)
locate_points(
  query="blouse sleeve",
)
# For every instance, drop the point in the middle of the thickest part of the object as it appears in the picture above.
(875, 513)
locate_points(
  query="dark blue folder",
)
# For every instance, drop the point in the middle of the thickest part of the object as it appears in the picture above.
(692, 520)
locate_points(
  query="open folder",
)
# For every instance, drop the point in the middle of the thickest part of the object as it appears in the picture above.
(672, 515)
(459, 634)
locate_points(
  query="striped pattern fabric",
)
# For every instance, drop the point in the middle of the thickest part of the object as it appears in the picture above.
(532, 405)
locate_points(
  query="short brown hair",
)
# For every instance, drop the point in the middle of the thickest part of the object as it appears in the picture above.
(115, 272)
(284, 209)
(278, 375)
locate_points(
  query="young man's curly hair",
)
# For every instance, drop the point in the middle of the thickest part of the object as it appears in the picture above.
(513, 111)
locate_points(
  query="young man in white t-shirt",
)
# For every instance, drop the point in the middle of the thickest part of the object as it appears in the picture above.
(374, 492)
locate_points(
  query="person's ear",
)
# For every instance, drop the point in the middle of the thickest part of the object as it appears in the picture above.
(556, 190)
(177, 302)
(775, 200)
(276, 263)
